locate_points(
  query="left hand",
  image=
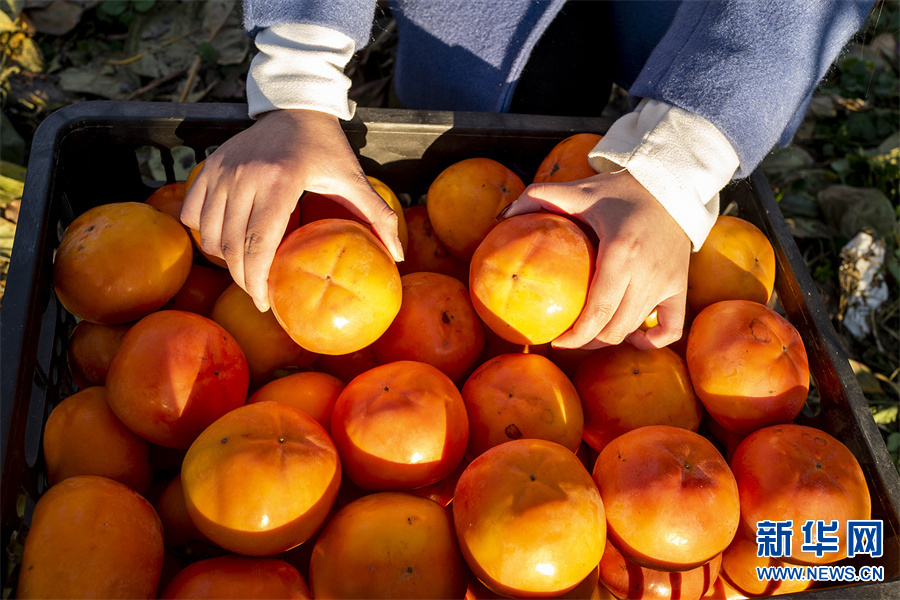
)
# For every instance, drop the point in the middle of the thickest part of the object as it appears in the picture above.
(642, 260)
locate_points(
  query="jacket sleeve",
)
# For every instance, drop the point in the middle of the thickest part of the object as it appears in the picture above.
(750, 68)
(353, 18)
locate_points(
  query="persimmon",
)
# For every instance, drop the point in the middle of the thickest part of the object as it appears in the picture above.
(529, 277)
(568, 160)
(398, 426)
(261, 479)
(388, 545)
(495, 346)
(174, 374)
(424, 251)
(168, 198)
(798, 473)
(627, 579)
(178, 528)
(266, 345)
(739, 567)
(736, 262)
(201, 289)
(529, 519)
(436, 324)
(442, 491)
(623, 388)
(121, 261)
(315, 207)
(590, 588)
(464, 200)
(91, 537)
(82, 436)
(90, 350)
(517, 396)
(312, 392)
(671, 500)
(748, 365)
(334, 287)
(238, 577)
(347, 366)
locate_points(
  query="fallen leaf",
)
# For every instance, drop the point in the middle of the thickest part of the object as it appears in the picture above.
(57, 18)
(851, 209)
(112, 84)
(867, 380)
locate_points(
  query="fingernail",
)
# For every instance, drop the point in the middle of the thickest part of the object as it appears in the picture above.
(502, 214)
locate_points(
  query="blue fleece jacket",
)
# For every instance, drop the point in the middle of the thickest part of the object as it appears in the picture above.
(748, 66)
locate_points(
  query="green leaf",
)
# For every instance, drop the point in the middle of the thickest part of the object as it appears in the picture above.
(208, 53)
(142, 6)
(886, 415)
(113, 8)
(893, 442)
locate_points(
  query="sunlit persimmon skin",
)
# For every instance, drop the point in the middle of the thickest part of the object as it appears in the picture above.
(464, 200)
(82, 436)
(568, 160)
(334, 287)
(436, 324)
(388, 545)
(748, 365)
(517, 396)
(175, 373)
(266, 345)
(168, 198)
(121, 261)
(627, 579)
(399, 426)
(739, 564)
(590, 588)
(735, 262)
(671, 500)
(529, 519)
(92, 537)
(794, 472)
(238, 577)
(623, 388)
(261, 479)
(425, 252)
(91, 348)
(529, 277)
(312, 392)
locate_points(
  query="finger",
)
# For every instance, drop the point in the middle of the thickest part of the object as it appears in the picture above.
(604, 296)
(670, 315)
(541, 196)
(234, 232)
(373, 209)
(264, 233)
(193, 203)
(212, 218)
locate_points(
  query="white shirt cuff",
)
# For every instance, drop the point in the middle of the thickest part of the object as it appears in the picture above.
(679, 157)
(300, 66)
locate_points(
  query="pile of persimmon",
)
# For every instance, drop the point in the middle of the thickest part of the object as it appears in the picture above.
(406, 430)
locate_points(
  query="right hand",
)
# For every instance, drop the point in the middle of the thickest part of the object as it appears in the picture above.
(245, 192)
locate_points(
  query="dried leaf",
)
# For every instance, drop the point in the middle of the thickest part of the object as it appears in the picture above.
(850, 210)
(27, 54)
(6, 24)
(165, 38)
(223, 28)
(58, 18)
(867, 380)
(111, 85)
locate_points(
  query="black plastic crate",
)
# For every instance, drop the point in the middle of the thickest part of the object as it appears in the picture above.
(87, 154)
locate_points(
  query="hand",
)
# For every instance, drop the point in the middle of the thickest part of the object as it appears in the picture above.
(242, 198)
(642, 259)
